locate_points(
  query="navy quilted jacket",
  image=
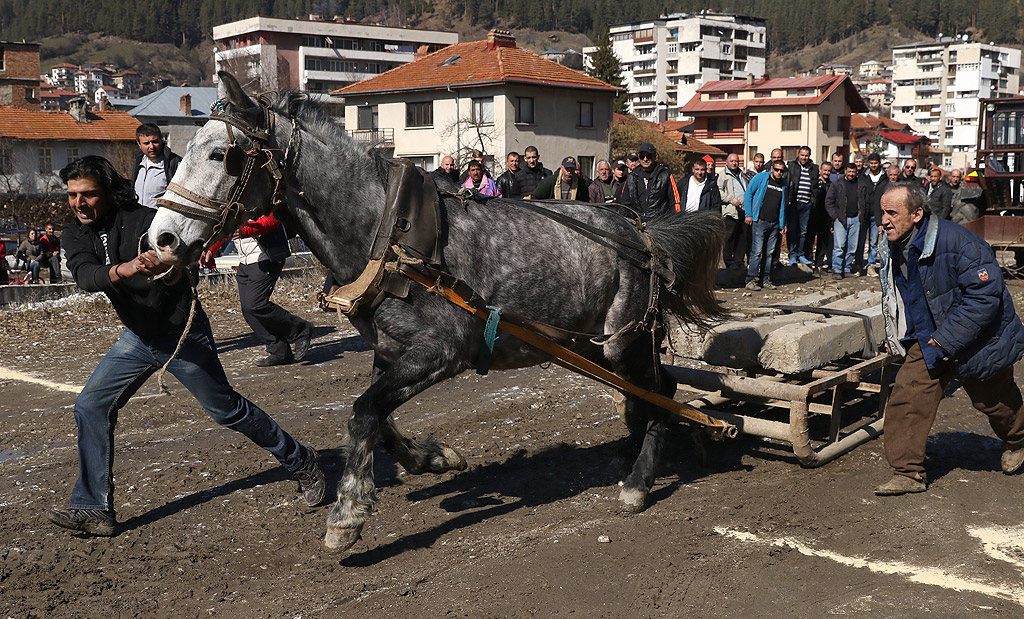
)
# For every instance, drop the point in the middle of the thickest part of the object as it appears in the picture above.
(973, 312)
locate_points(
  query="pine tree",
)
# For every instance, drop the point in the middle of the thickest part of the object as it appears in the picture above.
(604, 65)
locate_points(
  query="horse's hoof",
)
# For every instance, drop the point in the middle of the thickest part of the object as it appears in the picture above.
(633, 501)
(455, 460)
(339, 538)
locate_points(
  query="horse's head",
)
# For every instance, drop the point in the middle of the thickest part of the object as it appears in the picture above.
(225, 177)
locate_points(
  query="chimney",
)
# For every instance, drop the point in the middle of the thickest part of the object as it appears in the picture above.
(500, 38)
(106, 105)
(750, 79)
(764, 76)
(186, 104)
(78, 107)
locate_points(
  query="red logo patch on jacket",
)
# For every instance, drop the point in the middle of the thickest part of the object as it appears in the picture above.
(983, 275)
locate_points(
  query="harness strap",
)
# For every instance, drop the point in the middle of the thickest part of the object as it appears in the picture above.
(675, 190)
(483, 365)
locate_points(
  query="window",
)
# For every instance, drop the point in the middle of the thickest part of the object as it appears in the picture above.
(367, 118)
(30, 93)
(722, 123)
(585, 114)
(753, 123)
(72, 153)
(673, 48)
(45, 160)
(424, 161)
(483, 111)
(751, 151)
(586, 164)
(419, 114)
(824, 123)
(789, 153)
(791, 122)
(761, 94)
(524, 110)
(824, 153)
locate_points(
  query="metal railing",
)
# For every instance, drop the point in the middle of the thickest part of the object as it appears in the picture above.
(372, 136)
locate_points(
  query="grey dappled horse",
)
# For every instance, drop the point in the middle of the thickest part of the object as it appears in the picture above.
(513, 258)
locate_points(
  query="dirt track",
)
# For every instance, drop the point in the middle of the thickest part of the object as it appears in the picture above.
(214, 528)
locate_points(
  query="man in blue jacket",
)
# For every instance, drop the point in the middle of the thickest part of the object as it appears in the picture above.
(765, 199)
(948, 312)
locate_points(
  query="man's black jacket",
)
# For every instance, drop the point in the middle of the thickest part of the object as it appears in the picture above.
(150, 308)
(793, 171)
(529, 179)
(661, 195)
(508, 185)
(875, 191)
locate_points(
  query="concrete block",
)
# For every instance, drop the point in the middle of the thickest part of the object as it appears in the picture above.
(737, 344)
(803, 346)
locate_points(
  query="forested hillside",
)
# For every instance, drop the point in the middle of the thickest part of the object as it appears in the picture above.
(792, 24)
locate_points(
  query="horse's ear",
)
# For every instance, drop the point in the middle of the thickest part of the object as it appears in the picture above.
(294, 101)
(228, 88)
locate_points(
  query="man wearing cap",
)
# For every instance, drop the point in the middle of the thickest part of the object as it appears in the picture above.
(632, 161)
(650, 188)
(699, 191)
(619, 173)
(565, 184)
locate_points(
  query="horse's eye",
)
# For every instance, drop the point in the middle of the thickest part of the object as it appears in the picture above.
(217, 156)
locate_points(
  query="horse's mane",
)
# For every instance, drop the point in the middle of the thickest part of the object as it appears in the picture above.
(315, 120)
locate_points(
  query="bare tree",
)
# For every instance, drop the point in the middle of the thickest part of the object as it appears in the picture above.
(471, 134)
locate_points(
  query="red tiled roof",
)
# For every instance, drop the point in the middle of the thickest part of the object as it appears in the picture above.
(20, 124)
(829, 83)
(899, 137)
(478, 64)
(776, 83)
(64, 65)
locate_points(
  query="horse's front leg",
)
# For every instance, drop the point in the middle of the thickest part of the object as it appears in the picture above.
(417, 369)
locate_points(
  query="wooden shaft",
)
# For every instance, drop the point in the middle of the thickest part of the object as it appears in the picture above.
(575, 362)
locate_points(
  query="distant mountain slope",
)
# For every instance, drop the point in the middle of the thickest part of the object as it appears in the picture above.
(792, 24)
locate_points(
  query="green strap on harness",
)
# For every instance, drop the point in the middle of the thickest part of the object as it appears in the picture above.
(490, 335)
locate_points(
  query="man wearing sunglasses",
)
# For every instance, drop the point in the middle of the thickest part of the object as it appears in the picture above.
(765, 199)
(154, 166)
(909, 173)
(650, 188)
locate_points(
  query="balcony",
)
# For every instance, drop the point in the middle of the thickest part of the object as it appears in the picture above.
(642, 72)
(927, 88)
(380, 137)
(705, 134)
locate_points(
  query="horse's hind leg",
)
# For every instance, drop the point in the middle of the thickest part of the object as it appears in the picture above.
(417, 369)
(415, 456)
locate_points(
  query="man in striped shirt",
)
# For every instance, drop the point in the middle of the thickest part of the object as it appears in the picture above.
(802, 175)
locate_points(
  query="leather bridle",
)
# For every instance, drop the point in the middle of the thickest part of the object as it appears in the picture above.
(240, 164)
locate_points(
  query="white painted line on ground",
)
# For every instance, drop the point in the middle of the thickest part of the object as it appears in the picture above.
(1002, 543)
(915, 573)
(8, 374)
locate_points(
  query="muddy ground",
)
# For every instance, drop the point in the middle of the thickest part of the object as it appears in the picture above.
(212, 527)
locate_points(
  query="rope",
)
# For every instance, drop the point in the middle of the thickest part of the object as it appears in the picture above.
(181, 340)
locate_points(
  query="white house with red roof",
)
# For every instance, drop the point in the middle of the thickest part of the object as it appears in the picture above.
(755, 116)
(487, 95)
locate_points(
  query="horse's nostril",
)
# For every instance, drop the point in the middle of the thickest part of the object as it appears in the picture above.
(166, 239)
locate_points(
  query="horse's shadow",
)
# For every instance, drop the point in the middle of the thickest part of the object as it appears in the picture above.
(525, 480)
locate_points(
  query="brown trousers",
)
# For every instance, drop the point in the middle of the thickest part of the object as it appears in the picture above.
(914, 401)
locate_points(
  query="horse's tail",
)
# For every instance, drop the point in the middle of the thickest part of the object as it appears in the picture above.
(694, 243)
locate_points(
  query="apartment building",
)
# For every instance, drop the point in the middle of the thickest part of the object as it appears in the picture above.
(316, 54)
(938, 87)
(664, 61)
(755, 116)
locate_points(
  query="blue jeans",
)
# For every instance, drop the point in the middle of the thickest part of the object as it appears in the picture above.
(764, 236)
(34, 268)
(123, 371)
(844, 243)
(796, 229)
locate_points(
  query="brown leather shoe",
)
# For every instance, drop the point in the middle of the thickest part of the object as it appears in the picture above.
(1012, 460)
(901, 484)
